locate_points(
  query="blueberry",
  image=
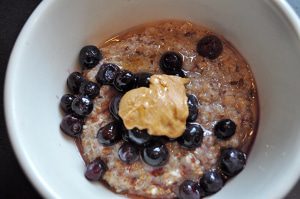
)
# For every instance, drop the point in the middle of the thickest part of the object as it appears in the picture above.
(124, 132)
(66, 102)
(71, 125)
(95, 170)
(155, 154)
(107, 73)
(143, 79)
(179, 73)
(210, 47)
(172, 139)
(114, 107)
(163, 139)
(89, 56)
(189, 190)
(82, 105)
(109, 134)
(125, 136)
(171, 63)
(224, 129)
(232, 161)
(74, 82)
(192, 136)
(193, 105)
(139, 137)
(89, 89)
(128, 153)
(125, 81)
(211, 182)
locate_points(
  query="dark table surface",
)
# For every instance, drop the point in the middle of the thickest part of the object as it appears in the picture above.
(13, 182)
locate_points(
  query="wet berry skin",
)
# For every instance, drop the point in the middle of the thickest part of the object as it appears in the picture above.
(210, 47)
(192, 136)
(211, 182)
(90, 89)
(155, 154)
(82, 105)
(125, 135)
(74, 82)
(143, 79)
(89, 56)
(232, 161)
(124, 132)
(71, 125)
(114, 107)
(66, 102)
(193, 105)
(224, 129)
(128, 153)
(109, 134)
(189, 190)
(180, 73)
(162, 139)
(171, 63)
(125, 81)
(107, 73)
(139, 137)
(95, 170)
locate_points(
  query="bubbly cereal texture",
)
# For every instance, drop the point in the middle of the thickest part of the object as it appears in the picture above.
(225, 89)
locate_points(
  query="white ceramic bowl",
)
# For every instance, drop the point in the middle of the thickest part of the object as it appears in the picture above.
(265, 32)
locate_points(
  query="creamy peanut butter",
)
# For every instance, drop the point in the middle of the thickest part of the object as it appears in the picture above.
(162, 108)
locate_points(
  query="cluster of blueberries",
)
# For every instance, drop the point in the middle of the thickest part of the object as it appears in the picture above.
(138, 143)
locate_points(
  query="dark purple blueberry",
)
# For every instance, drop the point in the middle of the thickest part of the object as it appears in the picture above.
(125, 135)
(95, 170)
(114, 107)
(82, 105)
(155, 154)
(139, 137)
(171, 63)
(109, 134)
(210, 47)
(189, 190)
(193, 105)
(180, 73)
(192, 136)
(143, 79)
(90, 89)
(128, 153)
(172, 139)
(224, 129)
(211, 182)
(162, 139)
(107, 73)
(125, 81)
(123, 131)
(89, 56)
(74, 82)
(66, 102)
(71, 125)
(232, 161)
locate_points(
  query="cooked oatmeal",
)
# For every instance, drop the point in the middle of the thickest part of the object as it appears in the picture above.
(224, 87)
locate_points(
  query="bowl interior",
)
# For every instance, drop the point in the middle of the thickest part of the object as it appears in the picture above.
(46, 52)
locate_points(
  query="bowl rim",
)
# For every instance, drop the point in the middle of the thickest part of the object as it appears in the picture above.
(23, 157)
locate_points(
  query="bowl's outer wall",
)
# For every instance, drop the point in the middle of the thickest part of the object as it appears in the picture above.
(47, 50)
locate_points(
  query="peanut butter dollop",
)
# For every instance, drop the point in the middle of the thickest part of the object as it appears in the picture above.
(161, 109)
